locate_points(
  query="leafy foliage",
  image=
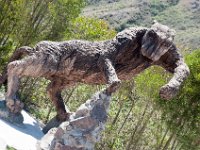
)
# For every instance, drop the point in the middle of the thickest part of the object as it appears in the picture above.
(10, 148)
(182, 113)
(24, 22)
(90, 29)
(62, 15)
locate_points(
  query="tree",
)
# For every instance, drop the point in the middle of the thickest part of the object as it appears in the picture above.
(89, 29)
(182, 113)
(25, 22)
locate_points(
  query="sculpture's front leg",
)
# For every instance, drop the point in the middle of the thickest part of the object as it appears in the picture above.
(111, 75)
(175, 64)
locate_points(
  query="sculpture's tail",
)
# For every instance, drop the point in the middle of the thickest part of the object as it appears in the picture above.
(18, 54)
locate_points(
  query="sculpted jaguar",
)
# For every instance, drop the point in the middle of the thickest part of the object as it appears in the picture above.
(107, 62)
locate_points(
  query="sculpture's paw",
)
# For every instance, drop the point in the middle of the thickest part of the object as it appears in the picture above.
(168, 92)
(63, 116)
(14, 106)
(113, 87)
(6, 114)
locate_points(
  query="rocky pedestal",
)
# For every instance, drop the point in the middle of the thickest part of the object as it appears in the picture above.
(83, 129)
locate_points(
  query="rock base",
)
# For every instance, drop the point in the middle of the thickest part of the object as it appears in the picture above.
(83, 129)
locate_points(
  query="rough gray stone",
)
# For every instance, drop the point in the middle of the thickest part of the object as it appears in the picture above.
(46, 142)
(83, 130)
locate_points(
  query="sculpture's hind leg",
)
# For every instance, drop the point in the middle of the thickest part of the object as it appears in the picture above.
(54, 90)
(17, 69)
(12, 103)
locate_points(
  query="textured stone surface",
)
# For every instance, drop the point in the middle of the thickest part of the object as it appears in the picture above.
(83, 129)
(84, 123)
(46, 141)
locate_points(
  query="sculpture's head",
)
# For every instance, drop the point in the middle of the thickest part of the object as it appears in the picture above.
(157, 41)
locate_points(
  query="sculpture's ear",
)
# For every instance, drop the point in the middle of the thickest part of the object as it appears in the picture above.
(154, 45)
(163, 30)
